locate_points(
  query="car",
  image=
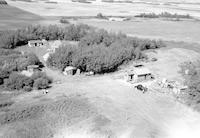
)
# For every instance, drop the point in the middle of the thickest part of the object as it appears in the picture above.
(141, 88)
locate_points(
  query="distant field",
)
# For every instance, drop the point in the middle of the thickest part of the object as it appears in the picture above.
(12, 18)
(68, 8)
(187, 31)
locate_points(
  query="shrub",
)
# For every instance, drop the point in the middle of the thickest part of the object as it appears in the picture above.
(164, 15)
(64, 21)
(101, 16)
(40, 74)
(41, 83)
(17, 81)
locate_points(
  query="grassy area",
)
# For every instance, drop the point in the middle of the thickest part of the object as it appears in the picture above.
(151, 28)
(12, 18)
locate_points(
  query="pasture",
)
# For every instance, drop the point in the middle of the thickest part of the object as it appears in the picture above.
(151, 28)
(68, 8)
(13, 18)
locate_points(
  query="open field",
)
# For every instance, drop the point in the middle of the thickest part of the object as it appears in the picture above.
(68, 8)
(151, 28)
(12, 18)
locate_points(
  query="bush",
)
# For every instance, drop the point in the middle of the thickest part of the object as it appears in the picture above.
(64, 21)
(40, 74)
(17, 81)
(41, 83)
(164, 15)
(101, 16)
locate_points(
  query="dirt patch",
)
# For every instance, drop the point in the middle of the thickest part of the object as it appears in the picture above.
(43, 119)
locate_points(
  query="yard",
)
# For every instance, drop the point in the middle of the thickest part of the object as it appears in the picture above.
(101, 106)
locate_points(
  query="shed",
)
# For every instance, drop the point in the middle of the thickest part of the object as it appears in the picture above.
(37, 43)
(69, 70)
(139, 74)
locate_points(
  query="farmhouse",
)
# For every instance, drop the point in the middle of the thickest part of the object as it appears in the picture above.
(69, 70)
(37, 43)
(139, 74)
(118, 19)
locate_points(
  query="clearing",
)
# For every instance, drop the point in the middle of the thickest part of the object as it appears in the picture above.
(103, 106)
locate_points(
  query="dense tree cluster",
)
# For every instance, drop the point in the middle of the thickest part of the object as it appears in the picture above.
(191, 74)
(17, 81)
(163, 15)
(15, 38)
(12, 62)
(100, 52)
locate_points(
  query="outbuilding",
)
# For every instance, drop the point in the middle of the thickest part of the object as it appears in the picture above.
(139, 74)
(37, 43)
(69, 70)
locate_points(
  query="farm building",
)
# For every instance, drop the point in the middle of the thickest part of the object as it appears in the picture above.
(37, 43)
(139, 74)
(118, 19)
(69, 70)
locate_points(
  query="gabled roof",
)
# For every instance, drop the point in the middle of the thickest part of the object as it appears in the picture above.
(35, 41)
(140, 71)
(69, 68)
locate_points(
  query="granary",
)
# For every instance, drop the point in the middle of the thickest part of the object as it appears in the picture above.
(69, 70)
(37, 43)
(139, 74)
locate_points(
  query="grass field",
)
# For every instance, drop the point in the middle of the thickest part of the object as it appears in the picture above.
(12, 18)
(68, 8)
(152, 28)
